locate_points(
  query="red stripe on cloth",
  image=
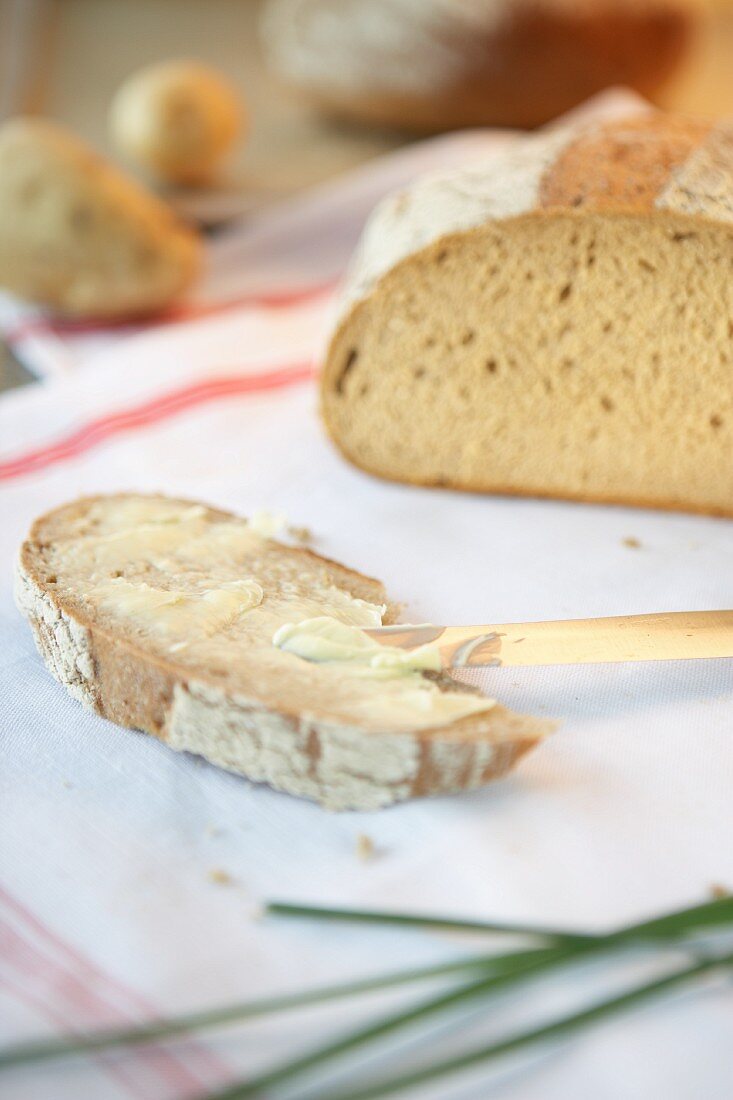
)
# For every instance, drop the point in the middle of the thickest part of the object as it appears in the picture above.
(69, 1002)
(19, 989)
(149, 412)
(57, 326)
(65, 974)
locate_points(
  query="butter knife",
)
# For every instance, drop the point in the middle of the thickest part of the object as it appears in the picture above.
(666, 636)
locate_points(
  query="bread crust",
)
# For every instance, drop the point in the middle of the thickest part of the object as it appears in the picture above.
(340, 766)
(536, 494)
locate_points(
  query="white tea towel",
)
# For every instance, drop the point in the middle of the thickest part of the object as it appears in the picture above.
(130, 875)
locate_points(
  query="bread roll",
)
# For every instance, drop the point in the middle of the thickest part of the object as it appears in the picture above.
(177, 120)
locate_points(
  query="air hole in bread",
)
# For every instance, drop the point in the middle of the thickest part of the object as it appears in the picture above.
(80, 218)
(29, 190)
(607, 404)
(349, 363)
(492, 366)
(716, 421)
(565, 292)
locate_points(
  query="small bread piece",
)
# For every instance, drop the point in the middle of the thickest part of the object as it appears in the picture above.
(177, 120)
(555, 322)
(428, 65)
(80, 237)
(159, 614)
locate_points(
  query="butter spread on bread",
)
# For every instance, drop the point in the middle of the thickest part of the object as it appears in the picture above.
(161, 615)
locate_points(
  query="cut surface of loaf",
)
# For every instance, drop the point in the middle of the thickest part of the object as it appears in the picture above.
(160, 615)
(557, 322)
(427, 65)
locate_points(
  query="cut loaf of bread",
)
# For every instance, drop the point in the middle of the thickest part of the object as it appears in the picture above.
(160, 614)
(555, 322)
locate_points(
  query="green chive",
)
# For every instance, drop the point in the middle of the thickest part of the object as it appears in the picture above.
(707, 914)
(412, 920)
(526, 965)
(505, 968)
(564, 1026)
(46, 1049)
(389, 1024)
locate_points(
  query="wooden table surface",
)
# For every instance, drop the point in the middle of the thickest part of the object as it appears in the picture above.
(65, 58)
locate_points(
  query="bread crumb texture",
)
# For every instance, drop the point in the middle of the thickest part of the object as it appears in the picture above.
(557, 322)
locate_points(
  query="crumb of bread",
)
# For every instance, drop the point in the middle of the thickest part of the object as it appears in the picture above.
(632, 542)
(220, 877)
(365, 847)
(302, 535)
(213, 830)
(718, 891)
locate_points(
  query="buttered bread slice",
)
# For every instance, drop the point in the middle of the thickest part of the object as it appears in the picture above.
(188, 623)
(556, 321)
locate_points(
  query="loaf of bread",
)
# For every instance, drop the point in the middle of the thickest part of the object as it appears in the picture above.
(555, 322)
(79, 236)
(173, 618)
(428, 65)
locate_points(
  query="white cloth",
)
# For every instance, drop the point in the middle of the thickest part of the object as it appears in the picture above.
(108, 840)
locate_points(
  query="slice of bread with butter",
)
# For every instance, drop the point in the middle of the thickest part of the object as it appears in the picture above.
(189, 623)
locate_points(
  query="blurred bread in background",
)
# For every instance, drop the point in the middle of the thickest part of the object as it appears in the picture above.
(79, 236)
(431, 65)
(177, 120)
